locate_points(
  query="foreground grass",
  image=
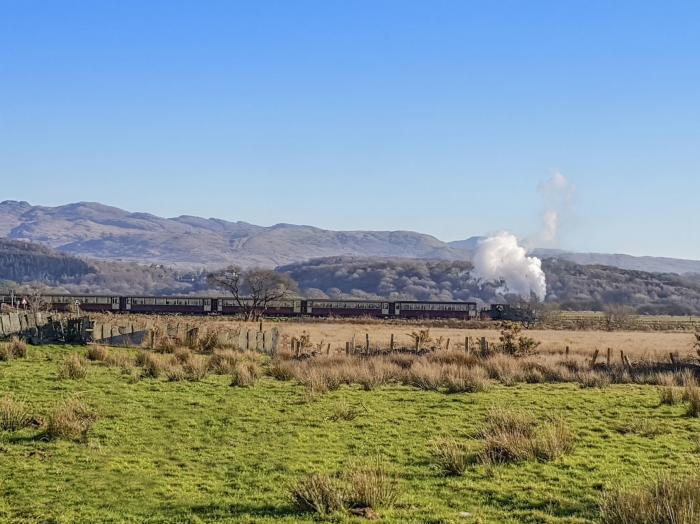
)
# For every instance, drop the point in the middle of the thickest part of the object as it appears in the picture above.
(179, 451)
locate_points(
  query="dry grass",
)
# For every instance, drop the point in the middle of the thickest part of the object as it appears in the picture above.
(513, 436)
(372, 486)
(453, 456)
(14, 414)
(18, 348)
(667, 500)
(344, 411)
(74, 367)
(154, 365)
(669, 395)
(692, 397)
(71, 419)
(319, 493)
(97, 353)
(245, 374)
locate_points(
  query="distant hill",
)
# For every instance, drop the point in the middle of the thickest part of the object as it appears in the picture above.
(572, 286)
(99, 231)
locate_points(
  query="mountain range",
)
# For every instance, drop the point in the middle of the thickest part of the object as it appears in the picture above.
(94, 230)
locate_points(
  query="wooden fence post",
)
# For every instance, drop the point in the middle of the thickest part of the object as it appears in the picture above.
(609, 357)
(391, 343)
(466, 345)
(367, 343)
(447, 345)
(595, 357)
(566, 352)
(347, 348)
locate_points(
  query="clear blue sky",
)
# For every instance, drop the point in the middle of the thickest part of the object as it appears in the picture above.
(437, 116)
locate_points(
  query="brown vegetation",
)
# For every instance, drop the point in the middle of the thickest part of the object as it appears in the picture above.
(71, 419)
(14, 414)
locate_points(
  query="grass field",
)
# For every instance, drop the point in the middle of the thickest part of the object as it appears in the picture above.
(181, 451)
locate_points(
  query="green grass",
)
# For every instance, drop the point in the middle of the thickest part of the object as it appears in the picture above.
(164, 451)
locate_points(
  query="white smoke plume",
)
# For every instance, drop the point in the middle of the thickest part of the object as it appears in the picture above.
(500, 257)
(558, 194)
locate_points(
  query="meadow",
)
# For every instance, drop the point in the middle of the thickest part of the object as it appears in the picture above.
(173, 435)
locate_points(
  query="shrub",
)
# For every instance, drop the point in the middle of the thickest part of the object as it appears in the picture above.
(74, 367)
(71, 419)
(14, 414)
(18, 348)
(513, 343)
(667, 500)
(452, 455)
(372, 486)
(318, 493)
(97, 353)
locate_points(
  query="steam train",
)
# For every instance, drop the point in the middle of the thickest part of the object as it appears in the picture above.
(405, 309)
(230, 306)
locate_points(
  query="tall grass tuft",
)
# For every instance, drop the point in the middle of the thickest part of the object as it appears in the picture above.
(451, 455)
(97, 353)
(692, 397)
(319, 493)
(74, 367)
(512, 436)
(71, 419)
(667, 500)
(669, 395)
(14, 414)
(245, 374)
(18, 348)
(372, 486)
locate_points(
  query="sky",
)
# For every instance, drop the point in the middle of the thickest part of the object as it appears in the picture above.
(443, 117)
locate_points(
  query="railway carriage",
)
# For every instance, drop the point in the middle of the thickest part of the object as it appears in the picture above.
(181, 305)
(347, 308)
(424, 309)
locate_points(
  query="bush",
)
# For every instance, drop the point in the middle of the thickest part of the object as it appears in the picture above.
(281, 369)
(154, 365)
(452, 455)
(5, 353)
(319, 493)
(166, 344)
(74, 367)
(14, 414)
(372, 486)
(182, 355)
(667, 500)
(71, 419)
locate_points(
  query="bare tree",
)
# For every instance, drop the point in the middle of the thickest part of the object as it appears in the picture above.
(253, 289)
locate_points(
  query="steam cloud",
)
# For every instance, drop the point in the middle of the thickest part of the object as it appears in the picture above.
(500, 257)
(558, 193)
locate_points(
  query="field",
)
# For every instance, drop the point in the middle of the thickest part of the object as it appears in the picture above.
(168, 449)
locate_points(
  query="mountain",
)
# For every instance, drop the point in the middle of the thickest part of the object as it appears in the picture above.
(647, 264)
(109, 233)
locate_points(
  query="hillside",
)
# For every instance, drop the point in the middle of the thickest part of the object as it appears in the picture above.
(570, 285)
